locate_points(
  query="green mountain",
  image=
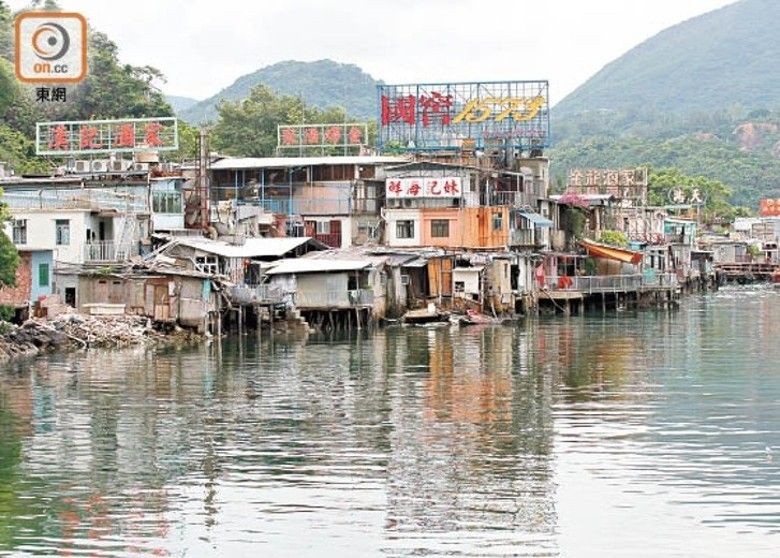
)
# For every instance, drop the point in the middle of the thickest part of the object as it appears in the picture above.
(713, 61)
(180, 104)
(323, 84)
(703, 95)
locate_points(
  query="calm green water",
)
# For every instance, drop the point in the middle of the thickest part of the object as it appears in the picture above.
(650, 434)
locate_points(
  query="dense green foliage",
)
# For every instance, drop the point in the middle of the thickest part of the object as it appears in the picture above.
(323, 84)
(614, 238)
(9, 257)
(749, 174)
(248, 128)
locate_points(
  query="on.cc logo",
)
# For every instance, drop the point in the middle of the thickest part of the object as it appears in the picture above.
(51, 47)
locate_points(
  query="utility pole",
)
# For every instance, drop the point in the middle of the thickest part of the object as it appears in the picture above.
(203, 178)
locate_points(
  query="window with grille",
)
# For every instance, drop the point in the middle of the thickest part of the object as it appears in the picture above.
(62, 232)
(20, 231)
(404, 229)
(166, 202)
(440, 228)
(498, 221)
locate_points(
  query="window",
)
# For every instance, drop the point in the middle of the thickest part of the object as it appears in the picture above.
(323, 227)
(440, 228)
(166, 202)
(207, 264)
(498, 221)
(43, 275)
(404, 229)
(20, 231)
(62, 230)
(460, 287)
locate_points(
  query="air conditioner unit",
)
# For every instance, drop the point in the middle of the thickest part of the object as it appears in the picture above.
(118, 165)
(404, 279)
(81, 166)
(140, 166)
(99, 166)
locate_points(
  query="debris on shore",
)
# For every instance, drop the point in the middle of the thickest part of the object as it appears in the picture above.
(76, 331)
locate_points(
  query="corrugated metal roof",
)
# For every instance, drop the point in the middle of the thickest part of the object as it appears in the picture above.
(252, 248)
(286, 162)
(314, 265)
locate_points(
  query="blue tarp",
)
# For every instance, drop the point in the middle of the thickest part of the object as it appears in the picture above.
(538, 220)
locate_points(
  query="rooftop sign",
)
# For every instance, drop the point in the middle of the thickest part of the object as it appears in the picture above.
(85, 137)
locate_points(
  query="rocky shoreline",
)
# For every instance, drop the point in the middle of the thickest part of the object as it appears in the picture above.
(75, 331)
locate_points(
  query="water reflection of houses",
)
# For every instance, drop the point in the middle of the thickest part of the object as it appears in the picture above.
(478, 449)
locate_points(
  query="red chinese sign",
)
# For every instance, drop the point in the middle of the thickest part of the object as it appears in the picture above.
(424, 116)
(300, 136)
(423, 187)
(106, 136)
(769, 208)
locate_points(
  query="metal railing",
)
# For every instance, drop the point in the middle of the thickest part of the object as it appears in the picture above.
(514, 199)
(103, 251)
(131, 200)
(334, 299)
(285, 206)
(590, 284)
(257, 294)
(522, 237)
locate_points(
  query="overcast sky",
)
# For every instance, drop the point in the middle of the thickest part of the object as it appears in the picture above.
(204, 45)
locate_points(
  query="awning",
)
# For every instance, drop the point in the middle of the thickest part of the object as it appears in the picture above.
(538, 220)
(417, 262)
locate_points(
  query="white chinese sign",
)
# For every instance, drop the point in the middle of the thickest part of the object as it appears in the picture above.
(680, 197)
(423, 187)
(621, 183)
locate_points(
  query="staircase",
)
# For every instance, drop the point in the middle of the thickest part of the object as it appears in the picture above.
(124, 244)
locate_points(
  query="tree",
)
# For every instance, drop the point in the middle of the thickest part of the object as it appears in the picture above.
(9, 257)
(112, 89)
(248, 128)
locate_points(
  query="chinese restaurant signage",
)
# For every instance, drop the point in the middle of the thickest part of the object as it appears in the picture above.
(423, 187)
(769, 208)
(86, 137)
(621, 183)
(298, 136)
(464, 115)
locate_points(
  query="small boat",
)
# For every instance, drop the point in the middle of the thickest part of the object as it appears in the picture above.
(599, 250)
(424, 316)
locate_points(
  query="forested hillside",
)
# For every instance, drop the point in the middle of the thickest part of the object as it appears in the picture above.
(322, 84)
(702, 96)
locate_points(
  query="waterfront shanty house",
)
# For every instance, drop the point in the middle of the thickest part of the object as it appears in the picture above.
(241, 263)
(163, 294)
(335, 199)
(34, 277)
(332, 290)
(680, 235)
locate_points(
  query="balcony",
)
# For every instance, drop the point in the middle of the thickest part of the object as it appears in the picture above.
(523, 238)
(105, 251)
(512, 199)
(591, 284)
